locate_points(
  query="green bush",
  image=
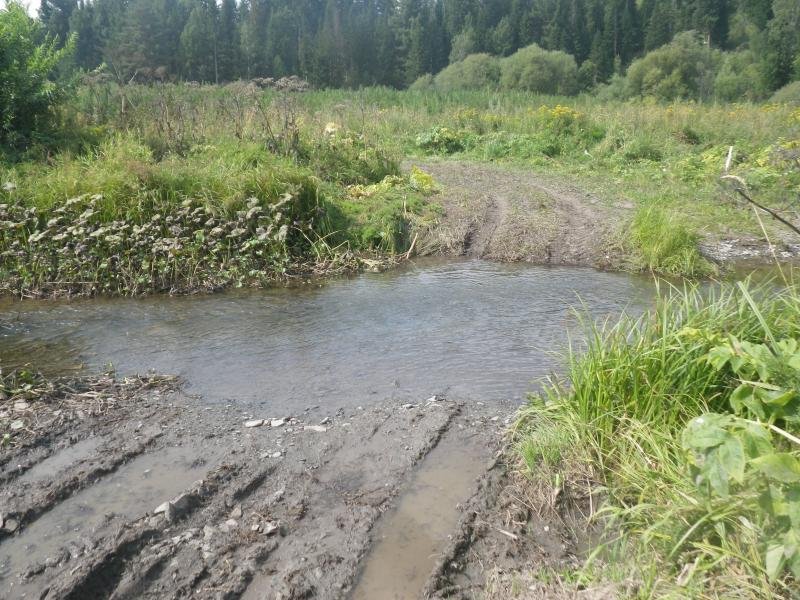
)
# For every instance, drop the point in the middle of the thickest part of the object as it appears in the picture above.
(739, 79)
(441, 140)
(533, 69)
(475, 72)
(27, 95)
(423, 83)
(684, 69)
(789, 94)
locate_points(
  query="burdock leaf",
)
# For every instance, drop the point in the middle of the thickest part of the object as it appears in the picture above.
(780, 466)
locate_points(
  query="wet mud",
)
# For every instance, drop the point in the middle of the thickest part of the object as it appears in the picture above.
(166, 497)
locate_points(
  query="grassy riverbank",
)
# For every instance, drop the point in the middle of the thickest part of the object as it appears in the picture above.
(685, 422)
(179, 187)
(177, 194)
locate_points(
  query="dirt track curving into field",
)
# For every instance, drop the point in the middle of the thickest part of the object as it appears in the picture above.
(506, 214)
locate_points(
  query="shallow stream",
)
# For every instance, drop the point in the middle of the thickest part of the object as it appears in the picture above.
(468, 329)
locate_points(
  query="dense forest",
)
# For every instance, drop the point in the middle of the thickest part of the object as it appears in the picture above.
(350, 43)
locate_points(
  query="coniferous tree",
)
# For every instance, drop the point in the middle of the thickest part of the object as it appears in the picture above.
(198, 44)
(393, 42)
(229, 44)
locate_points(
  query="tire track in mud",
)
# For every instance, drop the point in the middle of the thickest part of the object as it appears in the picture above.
(275, 511)
(511, 215)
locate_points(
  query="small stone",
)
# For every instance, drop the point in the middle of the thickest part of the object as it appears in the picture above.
(232, 523)
(236, 513)
(277, 422)
(495, 419)
(315, 428)
(171, 514)
(16, 425)
(161, 508)
(325, 421)
(255, 527)
(269, 528)
(11, 525)
(154, 521)
(208, 532)
(276, 455)
(21, 405)
(408, 406)
(254, 423)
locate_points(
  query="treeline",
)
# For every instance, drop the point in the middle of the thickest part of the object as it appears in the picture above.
(348, 43)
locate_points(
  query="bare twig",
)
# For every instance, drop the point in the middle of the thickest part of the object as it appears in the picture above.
(741, 188)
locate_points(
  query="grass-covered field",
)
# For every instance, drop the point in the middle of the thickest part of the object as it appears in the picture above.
(139, 152)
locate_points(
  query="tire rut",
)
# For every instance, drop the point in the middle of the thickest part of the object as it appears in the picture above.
(511, 215)
(284, 510)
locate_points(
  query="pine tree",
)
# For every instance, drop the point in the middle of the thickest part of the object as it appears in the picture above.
(229, 44)
(55, 15)
(199, 54)
(88, 51)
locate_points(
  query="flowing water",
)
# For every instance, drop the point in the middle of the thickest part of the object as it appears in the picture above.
(468, 329)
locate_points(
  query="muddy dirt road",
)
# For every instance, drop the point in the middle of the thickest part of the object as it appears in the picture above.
(150, 494)
(506, 214)
(136, 489)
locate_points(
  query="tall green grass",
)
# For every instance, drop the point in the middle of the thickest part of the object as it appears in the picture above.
(634, 386)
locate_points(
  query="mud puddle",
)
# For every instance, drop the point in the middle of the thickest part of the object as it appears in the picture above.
(70, 526)
(410, 538)
(53, 465)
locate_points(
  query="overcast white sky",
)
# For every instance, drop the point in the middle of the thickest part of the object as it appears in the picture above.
(33, 5)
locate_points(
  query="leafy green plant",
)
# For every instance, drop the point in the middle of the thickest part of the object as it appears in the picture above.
(28, 59)
(732, 454)
(441, 140)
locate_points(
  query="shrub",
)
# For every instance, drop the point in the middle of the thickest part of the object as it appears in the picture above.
(533, 69)
(789, 94)
(684, 69)
(27, 95)
(475, 72)
(441, 140)
(739, 78)
(423, 83)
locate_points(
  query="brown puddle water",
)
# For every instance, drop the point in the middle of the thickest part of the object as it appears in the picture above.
(53, 465)
(409, 539)
(129, 492)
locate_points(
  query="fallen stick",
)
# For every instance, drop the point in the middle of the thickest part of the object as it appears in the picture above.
(739, 190)
(413, 244)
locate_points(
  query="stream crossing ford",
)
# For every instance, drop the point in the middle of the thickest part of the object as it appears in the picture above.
(294, 458)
